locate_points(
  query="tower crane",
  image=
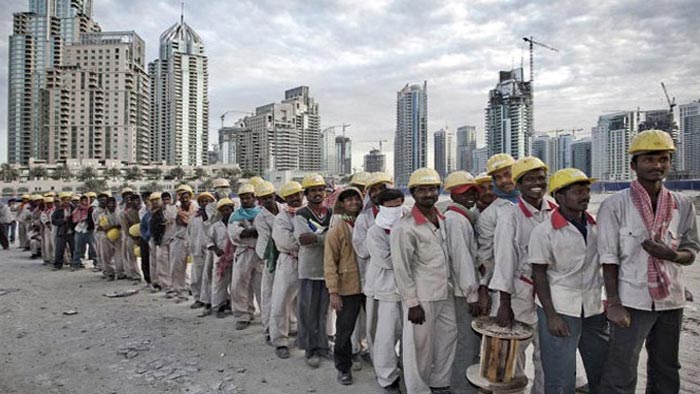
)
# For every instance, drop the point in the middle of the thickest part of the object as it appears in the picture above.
(532, 44)
(379, 141)
(233, 111)
(344, 126)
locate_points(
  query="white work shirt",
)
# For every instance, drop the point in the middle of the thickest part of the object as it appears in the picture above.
(461, 246)
(573, 268)
(359, 234)
(283, 233)
(621, 232)
(511, 242)
(486, 229)
(263, 222)
(380, 271)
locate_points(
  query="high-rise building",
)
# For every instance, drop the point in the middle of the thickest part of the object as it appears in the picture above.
(180, 98)
(542, 148)
(444, 155)
(38, 101)
(227, 144)
(479, 158)
(109, 89)
(329, 159)
(689, 123)
(610, 141)
(581, 155)
(343, 149)
(466, 144)
(411, 138)
(375, 161)
(308, 123)
(509, 115)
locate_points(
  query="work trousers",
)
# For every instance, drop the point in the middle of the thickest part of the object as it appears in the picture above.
(48, 240)
(468, 349)
(35, 246)
(22, 235)
(145, 260)
(268, 279)
(81, 243)
(12, 231)
(131, 268)
(245, 284)
(589, 335)
(92, 251)
(63, 242)
(196, 274)
(109, 252)
(285, 289)
(371, 320)
(388, 324)
(346, 320)
(4, 240)
(359, 334)
(179, 250)
(314, 302)
(221, 286)
(207, 278)
(661, 330)
(429, 348)
(159, 269)
(98, 240)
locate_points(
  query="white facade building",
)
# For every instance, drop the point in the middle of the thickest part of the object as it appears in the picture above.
(445, 151)
(411, 138)
(689, 123)
(509, 115)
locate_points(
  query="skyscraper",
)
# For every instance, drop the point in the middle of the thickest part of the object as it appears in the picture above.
(542, 148)
(581, 155)
(479, 158)
(411, 139)
(180, 98)
(690, 135)
(375, 161)
(444, 155)
(329, 159)
(466, 144)
(509, 115)
(343, 149)
(38, 102)
(610, 142)
(308, 123)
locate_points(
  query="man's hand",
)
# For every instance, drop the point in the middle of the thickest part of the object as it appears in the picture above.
(660, 250)
(504, 316)
(307, 238)
(474, 308)
(416, 315)
(249, 233)
(618, 315)
(336, 302)
(557, 326)
(484, 301)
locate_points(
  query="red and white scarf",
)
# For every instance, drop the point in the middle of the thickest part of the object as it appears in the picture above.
(656, 225)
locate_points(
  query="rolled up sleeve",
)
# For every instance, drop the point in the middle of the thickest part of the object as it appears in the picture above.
(402, 250)
(608, 234)
(505, 254)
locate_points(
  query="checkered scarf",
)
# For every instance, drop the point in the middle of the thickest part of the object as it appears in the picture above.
(656, 225)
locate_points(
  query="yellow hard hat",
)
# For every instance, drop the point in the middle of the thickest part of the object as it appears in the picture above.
(127, 190)
(91, 194)
(246, 188)
(37, 197)
(75, 197)
(48, 200)
(566, 177)
(135, 230)
(458, 178)
(526, 164)
(256, 180)
(113, 234)
(184, 188)
(424, 177)
(50, 194)
(483, 178)
(26, 197)
(103, 221)
(137, 251)
(312, 180)
(360, 179)
(224, 202)
(105, 193)
(290, 188)
(154, 196)
(220, 182)
(205, 195)
(651, 141)
(499, 161)
(377, 178)
(264, 189)
(63, 195)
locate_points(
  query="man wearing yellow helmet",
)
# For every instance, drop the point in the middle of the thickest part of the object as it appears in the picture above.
(84, 227)
(512, 276)
(48, 233)
(64, 238)
(646, 234)
(128, 216)
(179, 251)
(221, 246)
(24, 221)
(35, 229)
(109, 225)
(197, 234)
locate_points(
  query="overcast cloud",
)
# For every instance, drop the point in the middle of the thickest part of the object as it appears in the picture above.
(354, 55)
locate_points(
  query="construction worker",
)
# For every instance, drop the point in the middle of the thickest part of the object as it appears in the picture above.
(219, 242)
(342, 276)
(132, 217)
(471, 297)
(286, 284)
(646, 234)
(376, 183)
(486, 195)
(126, 247)
(92, 196)
(422, 269)
(84, 226)
(197, 234)
(310, 226)
(222, 188)
(178, 245)
(111, 243)
(62, 222)
(47, 231)
(386, 303)
(34, 227)
(512, 276)
(22, 212)
(265, 247)
(159, 268)
(247, 267)
(99, 235)
(143, 242)
(359, 181)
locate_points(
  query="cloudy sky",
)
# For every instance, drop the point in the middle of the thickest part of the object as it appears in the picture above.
(355, 55)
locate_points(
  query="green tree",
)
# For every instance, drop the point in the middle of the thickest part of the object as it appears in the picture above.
(154, 173)
(62, 172)
(95, 185)
(177, 173)
(87, 174)
(199, 173)
(8, 173)
(133, 174)
(154, 187)
(248, 174)
(113, 173)
(38, 172)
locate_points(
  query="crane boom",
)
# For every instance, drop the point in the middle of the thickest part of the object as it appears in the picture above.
(671, 103)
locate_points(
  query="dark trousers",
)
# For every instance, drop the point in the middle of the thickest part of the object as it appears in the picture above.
(82, 240)
(313, 313)
(4, 241)
(145, 260)
(661, 330)
(12, 231)
(63, 242)
(344, 326)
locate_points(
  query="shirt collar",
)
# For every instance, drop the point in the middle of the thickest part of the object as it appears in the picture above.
(528, 210)
(559, 221)
(420, 218)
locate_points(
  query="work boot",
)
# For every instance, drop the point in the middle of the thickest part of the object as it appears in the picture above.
(197, 304)
(314, 361)
(282, 352)
(242, 324)
(344, 378)
(394, 388)
(441, 390)
(221, 313)
(206, 312)
(121, 276)
(356, 362)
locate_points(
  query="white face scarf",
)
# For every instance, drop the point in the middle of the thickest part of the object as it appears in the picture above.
(388, 216)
